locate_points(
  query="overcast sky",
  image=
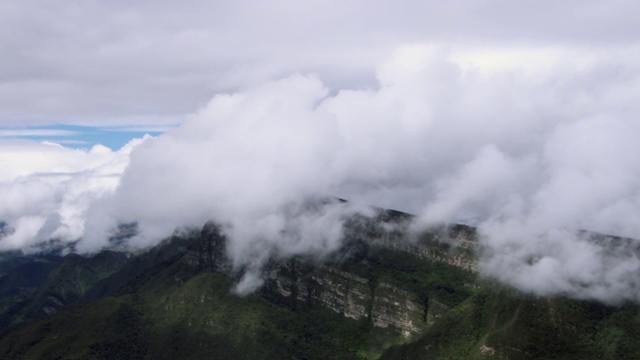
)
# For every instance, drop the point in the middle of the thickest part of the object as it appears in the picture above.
(518, 117)
(152, 62)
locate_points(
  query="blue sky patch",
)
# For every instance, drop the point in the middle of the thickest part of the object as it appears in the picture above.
(80, 137)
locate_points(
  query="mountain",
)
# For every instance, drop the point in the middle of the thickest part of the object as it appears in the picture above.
(45, 284)
(380, 296)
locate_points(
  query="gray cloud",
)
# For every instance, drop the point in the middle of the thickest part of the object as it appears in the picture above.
(530, 157)
(517, 118)
(148, 63)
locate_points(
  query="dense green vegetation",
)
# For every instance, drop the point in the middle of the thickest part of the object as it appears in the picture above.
(171, 310)
(173, 302)
(498, 322)
(446, 283)
(46, 284)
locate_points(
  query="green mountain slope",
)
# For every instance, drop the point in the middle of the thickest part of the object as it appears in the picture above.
(178, 311)
(56, 282)
(380, 297)
(499, 323)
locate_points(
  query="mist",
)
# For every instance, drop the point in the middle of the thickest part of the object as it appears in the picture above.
(531, 145)
(46, 189)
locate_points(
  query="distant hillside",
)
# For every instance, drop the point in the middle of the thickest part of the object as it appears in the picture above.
(379, 297)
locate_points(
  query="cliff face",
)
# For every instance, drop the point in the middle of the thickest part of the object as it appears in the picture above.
(356, 297)
(396, 308)
(176, 301)
(208, 252)
(451, 244)
(457, 251)
(358, 292)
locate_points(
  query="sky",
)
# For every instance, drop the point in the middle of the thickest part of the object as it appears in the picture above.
(519, 118)
(80, 136)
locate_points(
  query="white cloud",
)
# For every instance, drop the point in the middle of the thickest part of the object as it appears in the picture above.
(151, 63)
(516, 117)
(528, 160)
(47, 188)
(36, 132)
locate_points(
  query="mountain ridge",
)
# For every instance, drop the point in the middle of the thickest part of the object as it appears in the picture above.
(380, 299)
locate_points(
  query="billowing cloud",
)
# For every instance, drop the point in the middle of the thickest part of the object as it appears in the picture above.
(524, 152)
(46, 189)
(530, 144)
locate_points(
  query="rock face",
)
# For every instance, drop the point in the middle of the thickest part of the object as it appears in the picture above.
(296, 282)
(351, 295)
(396, 308)
(452, 244)
(340, 291)
(209, 250)
(456, 251)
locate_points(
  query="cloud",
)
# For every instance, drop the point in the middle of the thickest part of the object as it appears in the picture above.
(586, 180)
(139, 129)
(151, 63)
(46, 189)
(246, 158)
(529, 151)
(13, 133)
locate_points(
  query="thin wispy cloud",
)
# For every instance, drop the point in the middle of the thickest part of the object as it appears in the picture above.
(69, 142)
(25, 133)
(138, 129)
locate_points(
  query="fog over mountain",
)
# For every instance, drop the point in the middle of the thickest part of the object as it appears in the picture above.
(531, 142)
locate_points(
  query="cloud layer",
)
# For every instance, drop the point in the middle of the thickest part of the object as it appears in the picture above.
(152, 62)
(531, 144)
